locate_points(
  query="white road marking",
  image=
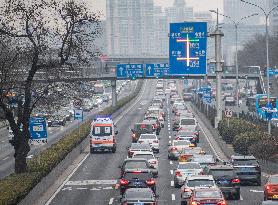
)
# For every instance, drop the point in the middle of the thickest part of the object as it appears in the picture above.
(169, 141)
(111, 201)
(94, 189)
(67, 188)
(81, 188)
(3, 141)
(171, 162)
(173, 197)
(241, 199)
(108, 188)
(139, 108)
(170, 136)
(169, 128)
(30, 156)
(91, 182)
(171, 171)
(5, 158)
(172, 183)
(256, 191)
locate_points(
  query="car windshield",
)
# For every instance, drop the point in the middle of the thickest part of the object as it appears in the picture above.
(137, 175)
(208, 194)
(187, 122)
(147, 137)
(138, 194)
(245, 161)
(246, 169)
(200, 183)
(144, 156)
(136, 165)
(273, 179)
(102, 130)
(221, 172)
(189, 166)
(179, 143)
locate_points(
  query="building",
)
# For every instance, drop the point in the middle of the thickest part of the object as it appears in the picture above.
(179, 12)
(274, 17)
(161, 33)
(130, 27)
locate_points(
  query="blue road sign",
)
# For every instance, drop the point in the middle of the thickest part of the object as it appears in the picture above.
(130, 71)
(78, 114)
(188, 48)
(38, 130)
(157, 70)
(206, 94)
(272, 71)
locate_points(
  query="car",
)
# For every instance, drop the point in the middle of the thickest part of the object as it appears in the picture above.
(230, 101)
(136, 196)
(184, 170)
(157, 102)
(137, 179)
(155, 124)
(178, 107)
(204, 160)
(248, 174)
(141, 128)
(130, 165)
(176, 147)
(271, 188)
(56, 120)
(188, 124)
(244, 160)
(226, 179)
(207, 196)
(187, 96)
(138, 147)
(148, 155)
(151, 139)
(193, 134)
(193, 182)
(186, 154)
(268, 202)
(154, 117)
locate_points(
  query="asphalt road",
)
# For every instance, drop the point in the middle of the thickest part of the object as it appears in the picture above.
(93, 180)
(54, 134)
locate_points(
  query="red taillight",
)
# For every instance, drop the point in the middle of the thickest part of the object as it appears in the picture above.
(123, 182)
(178, 173)
(114, 140)
(202, 173)
(150, 182)
(235, 181)
(136, 172)
(133, 135)
(177, 138)
(196, 133)
(153, 162)
(222, 203)
(187, 190)
(174, 149)
(268, 187)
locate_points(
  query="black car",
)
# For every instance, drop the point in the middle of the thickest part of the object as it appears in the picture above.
(248, 174)
(137, 179)
(134, 196)
(130, 165)
(244, 160)
(226, 179)
(56, 120)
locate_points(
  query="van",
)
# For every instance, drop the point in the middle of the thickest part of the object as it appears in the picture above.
(103, 135)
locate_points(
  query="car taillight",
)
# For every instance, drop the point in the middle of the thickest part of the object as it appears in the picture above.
(136, 172)
(202, 173)
(195, 203)
(123, 182)
(178, 173)
(222, 203)
(153, 162)
(150, 182)
(187, 190)
(114, 140)
(268, 187)
(177, 138)
(155, 141)
(235, 181)
(133, 135)
(174, 148)
(91, 141)
(196, 133)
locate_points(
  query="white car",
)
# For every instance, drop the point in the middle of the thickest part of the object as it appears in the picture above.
(184, 170)
(148, 156)
(151, 139)
(188, 124)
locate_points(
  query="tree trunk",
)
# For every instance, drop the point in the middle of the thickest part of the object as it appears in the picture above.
(20, 155)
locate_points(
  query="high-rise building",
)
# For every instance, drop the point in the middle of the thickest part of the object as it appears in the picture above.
(274, 17)
(129, 27)
(161, 33)
(179, 12)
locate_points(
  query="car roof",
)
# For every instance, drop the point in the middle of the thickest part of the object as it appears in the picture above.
(143, 152)
(221, 167)
(243, 157)
(194, 177)
(137, 159)
(207, 189)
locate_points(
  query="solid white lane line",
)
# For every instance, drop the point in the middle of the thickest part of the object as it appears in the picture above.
(111, 201)
(169, 141)
(5, 158)
(172, 183)
(171, 171)
(171, 162)
(81, 188)
(173, 197)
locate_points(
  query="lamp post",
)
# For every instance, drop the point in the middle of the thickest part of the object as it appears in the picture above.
(267, 14)
(236, 24)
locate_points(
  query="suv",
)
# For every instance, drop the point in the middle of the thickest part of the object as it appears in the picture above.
(244, 160)
(137, 179)
(135, 196)
(226, 179)
(141, 128)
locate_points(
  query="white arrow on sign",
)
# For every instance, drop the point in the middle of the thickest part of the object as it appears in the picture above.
(149, 68)
(121, 70)
(38, 135)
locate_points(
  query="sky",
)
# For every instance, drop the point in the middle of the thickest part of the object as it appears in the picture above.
(198, 5)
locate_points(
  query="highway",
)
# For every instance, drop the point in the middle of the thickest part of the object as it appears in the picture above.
(54, 134)
(93, 179)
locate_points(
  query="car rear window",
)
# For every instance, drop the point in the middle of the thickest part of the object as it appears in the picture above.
(178, 143)
(189, 166)
(245, 161)
(188, 122)
(140, 146)
(208, 194)
(273, 179)
(144, 156)
(102, 131)
(141, 175)
(246, 169)
(221, 172)
(136, 165)
(142, 194)
(147, 137)
(200, 183)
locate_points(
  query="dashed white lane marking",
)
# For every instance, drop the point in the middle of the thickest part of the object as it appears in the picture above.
(5, 158)
(111, 201)
(95, 189)
(107, 188)
(171, 162)
(256, 191)
(172, 183)
(171, 171)
(169, 128)
(170, 136)
(173, 197)
(67, 188)
(241, 199)
(81, 188)
(169, 141)
(3, 141)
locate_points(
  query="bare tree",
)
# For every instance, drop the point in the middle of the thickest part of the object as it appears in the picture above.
(39, 38)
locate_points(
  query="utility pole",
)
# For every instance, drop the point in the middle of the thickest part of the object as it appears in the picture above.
(218, 34)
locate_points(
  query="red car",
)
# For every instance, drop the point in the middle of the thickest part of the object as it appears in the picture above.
(211, 196)
(271, 188)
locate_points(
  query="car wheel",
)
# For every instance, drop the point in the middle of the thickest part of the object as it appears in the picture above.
(113, 149)
(183, 203)
(237, 195)
(92, 151)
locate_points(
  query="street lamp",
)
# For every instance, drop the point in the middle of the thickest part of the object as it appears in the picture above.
(267, 49)
(236, 24)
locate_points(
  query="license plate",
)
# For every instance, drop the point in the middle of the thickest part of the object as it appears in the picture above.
(139, 203)
(275, 196)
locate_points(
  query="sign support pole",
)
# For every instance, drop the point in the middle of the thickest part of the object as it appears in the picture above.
(114, 93)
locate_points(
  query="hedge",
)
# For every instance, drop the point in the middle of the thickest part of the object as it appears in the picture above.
(15, 187)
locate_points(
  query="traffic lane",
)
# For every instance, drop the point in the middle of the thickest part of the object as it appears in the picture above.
(55, 134)
(103, 166)
(250, 195)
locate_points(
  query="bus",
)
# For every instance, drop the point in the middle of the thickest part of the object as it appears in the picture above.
(261, 101)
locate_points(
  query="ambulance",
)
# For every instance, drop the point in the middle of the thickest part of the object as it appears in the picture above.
(103, 135)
